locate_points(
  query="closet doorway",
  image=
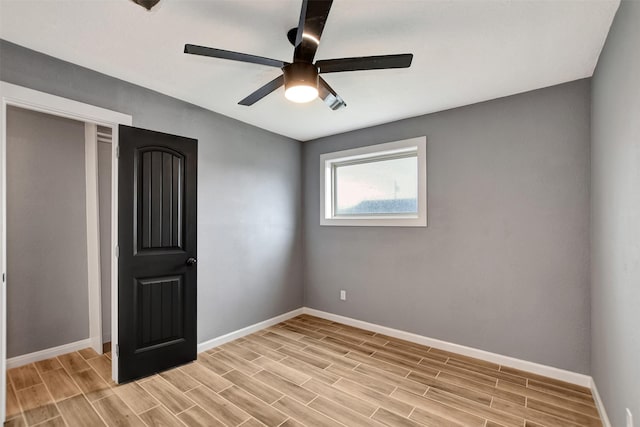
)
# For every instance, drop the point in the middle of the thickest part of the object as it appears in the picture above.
(58, 169)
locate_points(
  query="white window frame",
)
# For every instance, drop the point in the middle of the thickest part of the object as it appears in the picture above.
(374, 152)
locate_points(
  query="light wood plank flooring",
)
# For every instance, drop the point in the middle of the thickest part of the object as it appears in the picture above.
(303, 372)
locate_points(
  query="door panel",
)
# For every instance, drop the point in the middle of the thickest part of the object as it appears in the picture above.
(157, 238)
(159, 311)
(161, 191)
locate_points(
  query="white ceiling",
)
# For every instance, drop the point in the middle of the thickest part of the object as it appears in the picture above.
(464, 51)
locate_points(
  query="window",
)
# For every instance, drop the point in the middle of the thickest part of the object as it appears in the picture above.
(378, 185)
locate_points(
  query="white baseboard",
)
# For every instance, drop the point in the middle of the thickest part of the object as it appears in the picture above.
(600, 404)
(549, 371)
(47, 353)
(536, 368)
(215, 342)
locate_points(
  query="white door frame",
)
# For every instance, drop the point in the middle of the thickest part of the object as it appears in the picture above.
(94, 279)
(18, 96)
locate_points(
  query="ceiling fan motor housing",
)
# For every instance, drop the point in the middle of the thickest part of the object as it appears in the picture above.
(300, 74)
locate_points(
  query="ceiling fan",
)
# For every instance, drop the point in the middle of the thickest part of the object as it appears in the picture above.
(301, 78)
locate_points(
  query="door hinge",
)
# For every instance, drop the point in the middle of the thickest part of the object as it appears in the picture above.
(117, 151)
(117, 251)
(118, 350)
(2, 277)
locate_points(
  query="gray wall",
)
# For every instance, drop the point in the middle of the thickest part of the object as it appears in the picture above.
(47, 301)
(615, 217)
(104, 213)
(249, 192)
(504, 263)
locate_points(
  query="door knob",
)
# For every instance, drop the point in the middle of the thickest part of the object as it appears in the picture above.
(191, 261)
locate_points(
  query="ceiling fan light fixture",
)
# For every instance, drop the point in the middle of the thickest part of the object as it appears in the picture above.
(301, 94)
(300, 82)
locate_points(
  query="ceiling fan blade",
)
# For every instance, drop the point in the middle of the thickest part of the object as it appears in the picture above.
(329, 96)
(303, 14)
(233, 56)
(380, 62)
(313, 16)
(263, 91)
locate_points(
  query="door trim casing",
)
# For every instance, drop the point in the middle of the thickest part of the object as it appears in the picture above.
(93, 236)
(18, 96)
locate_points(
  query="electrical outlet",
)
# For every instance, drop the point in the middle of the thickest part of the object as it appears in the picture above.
(629, 418)
(343, 295)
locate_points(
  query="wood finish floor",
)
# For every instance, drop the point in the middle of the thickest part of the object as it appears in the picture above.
(305, 371)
